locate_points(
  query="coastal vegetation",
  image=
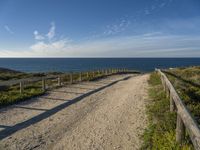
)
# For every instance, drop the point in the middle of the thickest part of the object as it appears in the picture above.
(187, 84)
(160, 133)
(161, 130)
(12, 94)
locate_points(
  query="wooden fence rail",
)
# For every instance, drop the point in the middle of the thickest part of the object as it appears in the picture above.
(185, 121)
(43, 80)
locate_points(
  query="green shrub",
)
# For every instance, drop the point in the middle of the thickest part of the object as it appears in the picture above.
(13, 95)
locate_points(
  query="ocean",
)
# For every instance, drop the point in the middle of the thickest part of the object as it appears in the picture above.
(85, 64)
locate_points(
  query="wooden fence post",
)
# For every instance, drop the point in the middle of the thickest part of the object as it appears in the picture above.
(43, 84)
(59, 81)
(163, 83)
(167, 91)
(101, 72)
(172, 104)
(21, 85)
(93, 74)
(180, 130)
(71, 78)
(80, 78)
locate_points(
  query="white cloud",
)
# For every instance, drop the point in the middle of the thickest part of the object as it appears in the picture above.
(50, 35)
(51, 32)
(48, 47)
(130, 46)
(7, 28)
(57, 45)
(38, 36)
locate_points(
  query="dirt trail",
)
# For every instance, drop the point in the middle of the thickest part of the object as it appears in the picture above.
(109, 117)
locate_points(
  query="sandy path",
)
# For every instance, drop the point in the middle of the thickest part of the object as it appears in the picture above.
(112, 118)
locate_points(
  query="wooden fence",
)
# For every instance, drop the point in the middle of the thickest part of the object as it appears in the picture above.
(59, 78)
(185, 121)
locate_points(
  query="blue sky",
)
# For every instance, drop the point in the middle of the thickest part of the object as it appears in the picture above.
(99, 28)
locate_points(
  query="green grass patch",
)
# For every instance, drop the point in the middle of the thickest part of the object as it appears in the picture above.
(12, 94)
(160, 133)
(187, 83)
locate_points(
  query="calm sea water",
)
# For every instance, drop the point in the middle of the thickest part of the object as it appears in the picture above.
(84, 64)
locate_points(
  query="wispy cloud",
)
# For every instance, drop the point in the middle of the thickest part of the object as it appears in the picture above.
(50, 35)
(37, 36)
(112, 29)
(117, 27)
(7, 28)
(156, 6)
(152, 34)
(51, 32)
(162, 4)
(147, 12)
(45, 43)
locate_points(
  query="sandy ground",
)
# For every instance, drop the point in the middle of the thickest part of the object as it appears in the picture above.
(104, 114)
